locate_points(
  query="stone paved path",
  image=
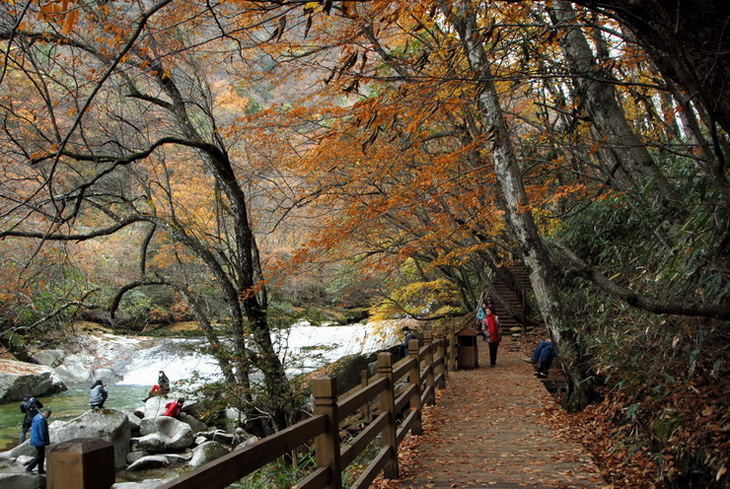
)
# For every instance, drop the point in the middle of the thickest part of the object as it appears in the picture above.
(499, 438)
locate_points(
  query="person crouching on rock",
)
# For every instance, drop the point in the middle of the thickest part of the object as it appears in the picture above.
(172, 409)
(98, 395)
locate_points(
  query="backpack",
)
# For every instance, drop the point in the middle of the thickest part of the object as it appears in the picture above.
(29, 407)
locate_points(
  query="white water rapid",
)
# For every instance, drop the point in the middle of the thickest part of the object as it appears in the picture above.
(136, 360)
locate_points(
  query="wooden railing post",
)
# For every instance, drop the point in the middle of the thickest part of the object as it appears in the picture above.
(414, 378)
(441, 355)
(428, 340)
(327, 445)
(452, 347)
(387, 405)
(365, 409)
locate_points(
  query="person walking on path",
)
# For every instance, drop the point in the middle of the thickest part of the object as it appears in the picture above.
(493, 428)
(98, 395)
(40, 439)
(30, 406)
(490, 327)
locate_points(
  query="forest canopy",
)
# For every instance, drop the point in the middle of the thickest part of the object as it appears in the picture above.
(225, 160)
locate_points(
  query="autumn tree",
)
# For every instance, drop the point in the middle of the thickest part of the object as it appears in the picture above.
(409, 69)
(112, 124)
(450, 136)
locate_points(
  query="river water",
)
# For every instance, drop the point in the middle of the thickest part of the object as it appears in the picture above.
(136, 361)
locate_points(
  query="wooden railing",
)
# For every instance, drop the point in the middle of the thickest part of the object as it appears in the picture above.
(396, 392)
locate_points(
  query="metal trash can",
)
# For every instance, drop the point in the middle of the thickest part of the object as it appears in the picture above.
(81, 463)
(467, 355)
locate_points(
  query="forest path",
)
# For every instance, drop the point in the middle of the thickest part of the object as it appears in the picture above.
(492, 427)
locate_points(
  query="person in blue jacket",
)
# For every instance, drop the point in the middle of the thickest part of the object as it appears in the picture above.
(40, 439)
(542, 358)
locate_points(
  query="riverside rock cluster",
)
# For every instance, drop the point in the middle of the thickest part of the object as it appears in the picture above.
(142, 440)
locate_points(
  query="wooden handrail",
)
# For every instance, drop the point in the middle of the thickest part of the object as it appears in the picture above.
(425, 368)
(230, 468)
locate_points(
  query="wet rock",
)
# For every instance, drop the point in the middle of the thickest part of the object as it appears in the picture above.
(207, 452)
(149, 462)
(19, 378)
(164, 434)
(133, 456)
(108, 424)
(147, 484)
(158, 461)
(194, 424)
(19, 480)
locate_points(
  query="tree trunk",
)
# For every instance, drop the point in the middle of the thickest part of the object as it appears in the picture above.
(602, 103)
(534, 252)
(689, 41)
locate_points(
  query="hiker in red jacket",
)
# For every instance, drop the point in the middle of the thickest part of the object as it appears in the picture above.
(172, 409)
(490, 327)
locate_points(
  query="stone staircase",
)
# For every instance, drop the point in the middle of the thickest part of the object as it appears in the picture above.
(511, 297)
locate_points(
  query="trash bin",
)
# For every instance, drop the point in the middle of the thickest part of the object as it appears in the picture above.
(81, 463)
(466, 349)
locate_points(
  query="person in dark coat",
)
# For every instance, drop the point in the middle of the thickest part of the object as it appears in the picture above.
(161, 388)
(408, 336)
(98, 395)
(40, 439)
(30, 406)
(164, 383)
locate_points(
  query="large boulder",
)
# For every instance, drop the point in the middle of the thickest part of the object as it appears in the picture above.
(164, 434)
(18, 480)
(134, 421)
(106, 375)
(157, 461)
(20, 378)
(74, 371)
(195, 424)
(108, 424)
(50, 358)
(155, 405)
(207, 452)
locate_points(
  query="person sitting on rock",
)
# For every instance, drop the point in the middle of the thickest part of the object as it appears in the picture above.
(161, 388)
(172, 409)
(542, 357)
(408, 336)
(98, 395)
(164, 383)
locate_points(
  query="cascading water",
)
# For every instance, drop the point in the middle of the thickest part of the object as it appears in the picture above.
(134, 362)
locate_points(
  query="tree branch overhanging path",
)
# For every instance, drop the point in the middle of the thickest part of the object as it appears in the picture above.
(435, 140)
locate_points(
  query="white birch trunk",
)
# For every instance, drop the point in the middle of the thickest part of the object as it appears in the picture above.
(523, 226)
